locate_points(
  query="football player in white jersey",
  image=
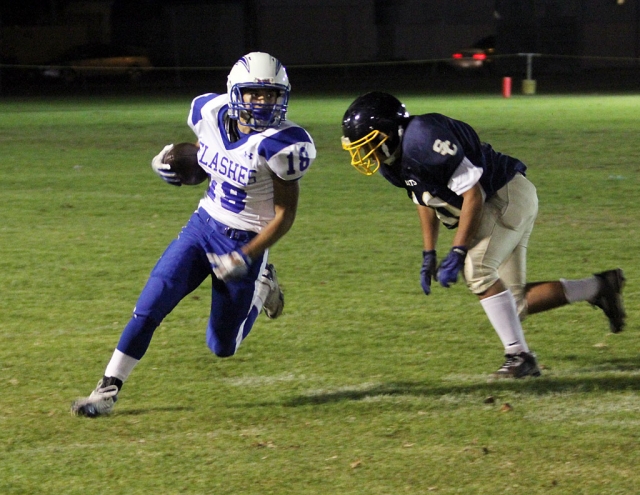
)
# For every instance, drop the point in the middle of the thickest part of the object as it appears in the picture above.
(254, 158)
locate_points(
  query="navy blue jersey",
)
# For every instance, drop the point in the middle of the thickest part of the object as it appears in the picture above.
(433, 146)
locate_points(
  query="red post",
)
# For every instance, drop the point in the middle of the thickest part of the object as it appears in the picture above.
(506, 87)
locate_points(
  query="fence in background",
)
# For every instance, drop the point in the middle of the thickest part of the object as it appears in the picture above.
(552, 72)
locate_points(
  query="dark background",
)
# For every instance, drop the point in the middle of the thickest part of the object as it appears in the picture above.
(335, 43)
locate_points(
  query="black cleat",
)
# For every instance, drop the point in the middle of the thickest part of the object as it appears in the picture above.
(518, 366)
(609, 298)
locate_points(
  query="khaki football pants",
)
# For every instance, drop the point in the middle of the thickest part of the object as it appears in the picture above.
(499, 249)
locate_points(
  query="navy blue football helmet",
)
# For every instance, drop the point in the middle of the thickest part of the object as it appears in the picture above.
(374, 121)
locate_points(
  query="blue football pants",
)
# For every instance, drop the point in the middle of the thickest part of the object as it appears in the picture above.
(179, 271)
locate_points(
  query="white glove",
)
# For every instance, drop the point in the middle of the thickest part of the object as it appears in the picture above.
(164, 169)
(230, 266)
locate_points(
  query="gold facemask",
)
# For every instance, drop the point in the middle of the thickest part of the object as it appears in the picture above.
(366, 161)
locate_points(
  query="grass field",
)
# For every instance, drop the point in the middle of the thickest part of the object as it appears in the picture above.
(364, 385)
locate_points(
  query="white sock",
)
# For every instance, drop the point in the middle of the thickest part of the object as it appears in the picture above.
(120, 366)
(503, 315)
(580, 290)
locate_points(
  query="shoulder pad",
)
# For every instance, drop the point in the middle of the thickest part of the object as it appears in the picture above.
(289, 152)
(195, 115)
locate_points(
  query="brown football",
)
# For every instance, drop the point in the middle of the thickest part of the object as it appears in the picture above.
(183, 158)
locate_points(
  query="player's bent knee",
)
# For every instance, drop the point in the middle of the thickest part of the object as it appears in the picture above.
(221, 350)
(481, 285)
(157, 299)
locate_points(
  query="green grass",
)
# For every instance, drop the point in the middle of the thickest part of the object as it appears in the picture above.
(364, 385)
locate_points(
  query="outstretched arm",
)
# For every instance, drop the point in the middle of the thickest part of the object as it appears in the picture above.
(470, 216)
(430, 225)
(235, 264)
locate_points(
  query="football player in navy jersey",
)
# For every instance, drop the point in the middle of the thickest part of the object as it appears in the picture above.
(460, 182)
(254, 158)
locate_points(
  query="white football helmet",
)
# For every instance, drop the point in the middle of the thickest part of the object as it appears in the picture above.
(258, 70)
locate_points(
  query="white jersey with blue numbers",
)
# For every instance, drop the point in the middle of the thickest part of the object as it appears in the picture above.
(240, 192)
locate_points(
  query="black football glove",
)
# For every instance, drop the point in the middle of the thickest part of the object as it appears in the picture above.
(428, 270)
(451, 266)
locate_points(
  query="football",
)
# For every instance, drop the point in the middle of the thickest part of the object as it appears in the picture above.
(183, 158)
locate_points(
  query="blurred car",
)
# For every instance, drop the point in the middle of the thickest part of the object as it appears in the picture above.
(475, 58)
(98, 60)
